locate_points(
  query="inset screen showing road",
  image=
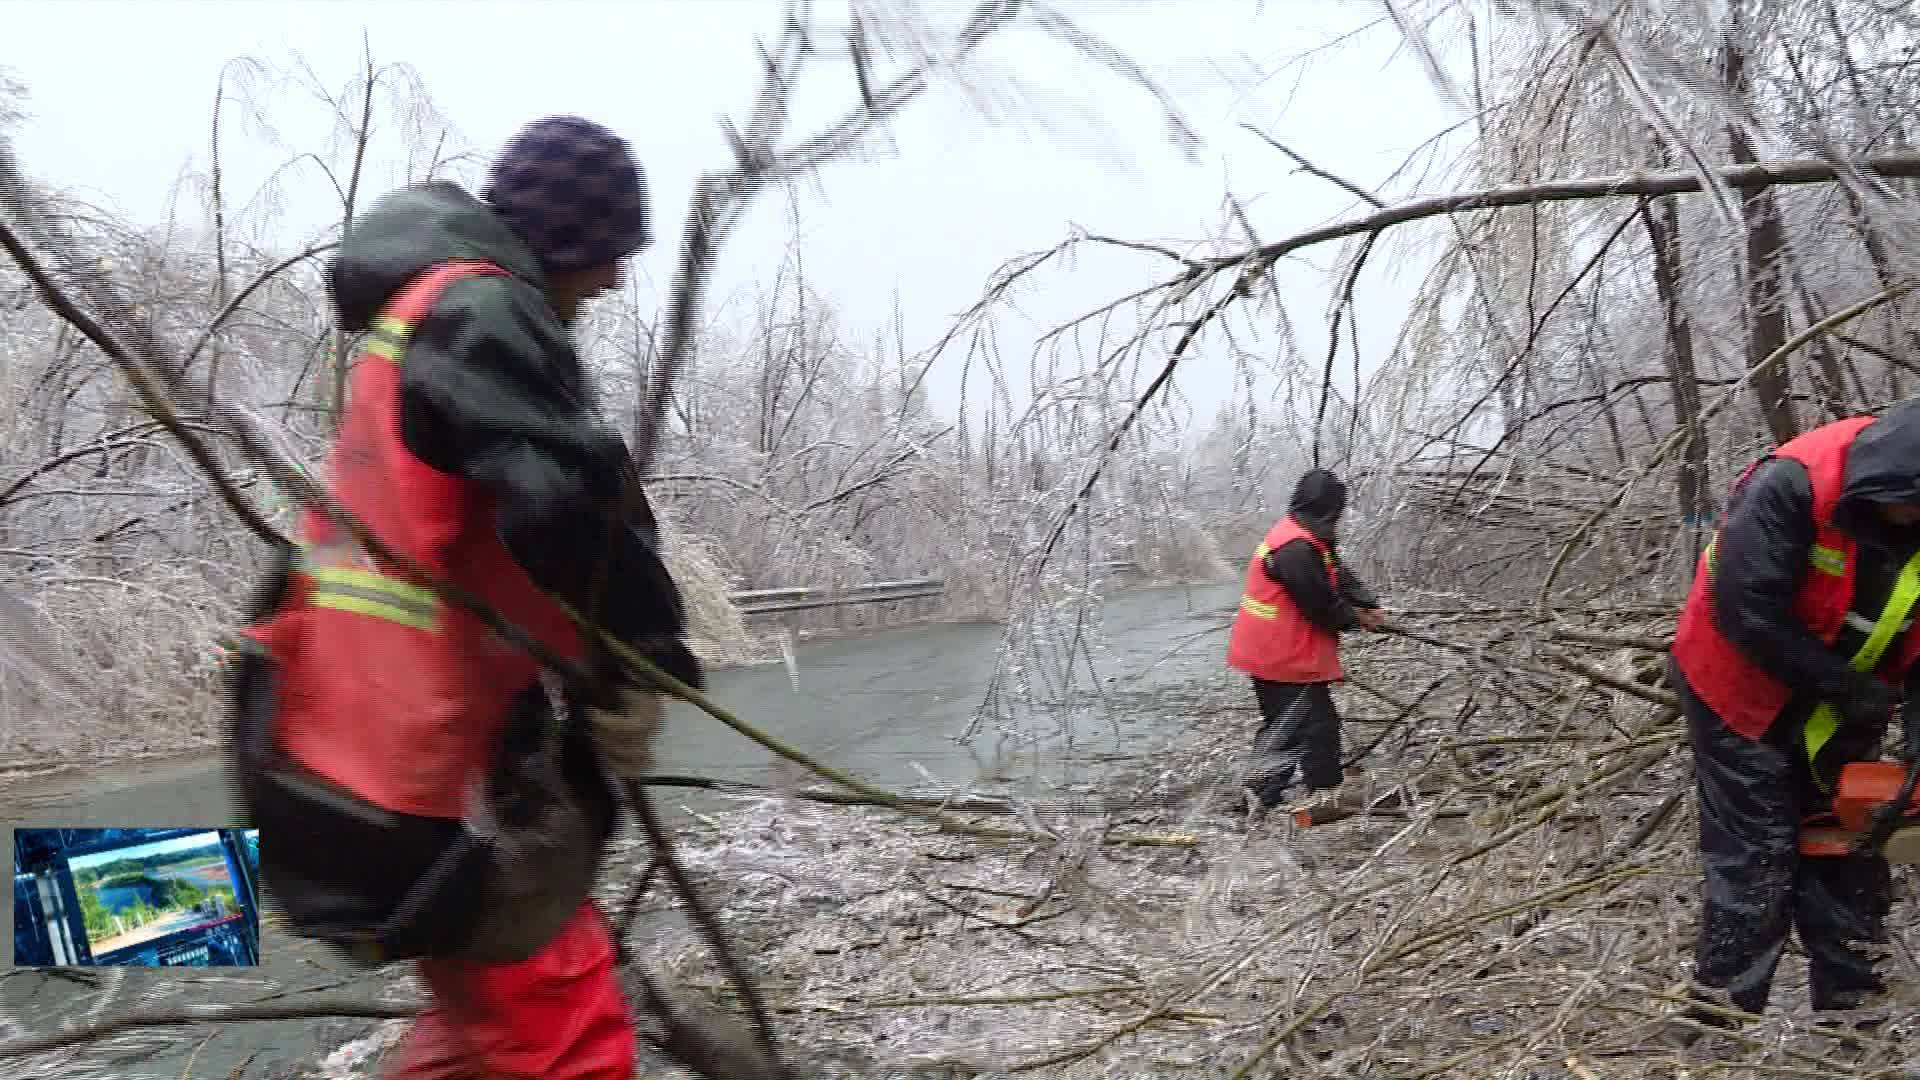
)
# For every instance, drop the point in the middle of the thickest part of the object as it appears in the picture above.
(173, 897)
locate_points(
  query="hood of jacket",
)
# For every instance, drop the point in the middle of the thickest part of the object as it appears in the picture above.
(410, 230)
(1883, 466)
(1319, 498)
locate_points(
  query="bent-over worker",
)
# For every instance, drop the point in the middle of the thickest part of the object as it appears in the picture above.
(470, 444)
(1790, 657)
(1299, 597)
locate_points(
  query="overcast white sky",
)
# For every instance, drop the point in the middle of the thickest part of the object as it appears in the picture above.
(121, 95)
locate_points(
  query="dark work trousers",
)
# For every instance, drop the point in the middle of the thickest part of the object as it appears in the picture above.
(1754, 793)
(1298, 741)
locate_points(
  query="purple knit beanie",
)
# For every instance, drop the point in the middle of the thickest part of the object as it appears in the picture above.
(572, 191)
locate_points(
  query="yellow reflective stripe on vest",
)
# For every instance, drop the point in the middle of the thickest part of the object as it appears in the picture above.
(1257, 609)
(1893, 618)
(1254, 607)
(379, 596)
(1831, 561)
(1827, 560)
(1262, 610)
(389, 338)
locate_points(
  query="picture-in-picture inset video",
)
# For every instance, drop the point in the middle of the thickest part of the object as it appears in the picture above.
(157, 897)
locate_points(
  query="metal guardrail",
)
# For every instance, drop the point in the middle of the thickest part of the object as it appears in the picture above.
(771, 601)
(756, 596)
(801, 598)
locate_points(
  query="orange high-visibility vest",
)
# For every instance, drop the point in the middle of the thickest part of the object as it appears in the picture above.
(383, 688)
(1743, 694)
(1271, 639)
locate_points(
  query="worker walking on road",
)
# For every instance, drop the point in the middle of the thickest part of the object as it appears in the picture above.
(1790, 658)
(421, 787)
(1299, 597)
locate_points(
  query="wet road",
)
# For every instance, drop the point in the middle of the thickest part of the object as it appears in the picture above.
(885, 707)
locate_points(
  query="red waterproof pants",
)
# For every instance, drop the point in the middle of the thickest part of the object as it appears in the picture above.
(558, 1015)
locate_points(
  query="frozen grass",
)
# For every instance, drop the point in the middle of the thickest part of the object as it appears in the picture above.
(715, 631)
(157, 691)
(134, 694)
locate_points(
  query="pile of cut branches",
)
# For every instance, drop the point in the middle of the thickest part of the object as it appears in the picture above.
(1520, 900)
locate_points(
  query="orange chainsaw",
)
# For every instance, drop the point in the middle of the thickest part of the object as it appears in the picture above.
(1874, 809)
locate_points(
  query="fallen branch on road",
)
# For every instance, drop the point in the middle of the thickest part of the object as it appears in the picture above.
(1624, 641)
(960, 804)
(1614, 682)
(201, 1014)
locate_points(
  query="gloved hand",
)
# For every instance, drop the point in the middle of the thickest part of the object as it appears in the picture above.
(1871, 703)
(624, 733)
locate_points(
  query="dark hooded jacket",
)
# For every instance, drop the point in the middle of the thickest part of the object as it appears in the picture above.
(1762, 557)
(493, 391)
(1319, 498)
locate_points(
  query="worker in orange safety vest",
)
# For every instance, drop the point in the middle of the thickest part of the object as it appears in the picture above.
(1791, 655)
(422, 788)
(1298, 598)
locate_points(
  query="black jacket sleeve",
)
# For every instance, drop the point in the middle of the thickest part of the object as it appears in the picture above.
(1356, 591)
(491, 392)
(1296, 567)
(1761, 560)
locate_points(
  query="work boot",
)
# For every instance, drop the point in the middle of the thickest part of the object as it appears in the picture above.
(1861, 1011)
(1855, 1001)
(1319, 804)
(1849, 990)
